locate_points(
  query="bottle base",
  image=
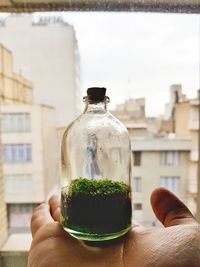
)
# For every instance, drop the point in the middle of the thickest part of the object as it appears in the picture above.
(95, 237)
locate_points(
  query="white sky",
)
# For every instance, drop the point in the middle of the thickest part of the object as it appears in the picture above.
(138, 54)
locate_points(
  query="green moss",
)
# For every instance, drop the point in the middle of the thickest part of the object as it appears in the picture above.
(94, 187)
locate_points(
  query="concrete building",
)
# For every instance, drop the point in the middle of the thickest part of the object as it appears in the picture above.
(28, 138)
(3, 211)
(46, 53)
(187, 127)
(131, 109)
(175, 96)
(29, 154)
(14, 89)
(132, 114)
(158, 162)
(159, 157)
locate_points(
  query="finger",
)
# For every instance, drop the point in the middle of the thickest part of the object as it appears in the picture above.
(41, 216)
(169, 209)
(54, 204)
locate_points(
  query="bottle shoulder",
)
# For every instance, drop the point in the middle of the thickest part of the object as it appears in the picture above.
(96, 122)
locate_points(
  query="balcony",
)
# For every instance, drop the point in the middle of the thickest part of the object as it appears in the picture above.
(15, 255)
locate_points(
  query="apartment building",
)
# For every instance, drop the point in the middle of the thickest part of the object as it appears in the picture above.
(29, 160)
(28, 140)
(158, 162)
(187, 127)
(159, 157)
(14, 89)
(46, 52)
(132, 114)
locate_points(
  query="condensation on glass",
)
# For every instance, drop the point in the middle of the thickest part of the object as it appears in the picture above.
(96, 172)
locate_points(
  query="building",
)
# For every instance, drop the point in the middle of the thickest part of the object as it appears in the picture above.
(131, 109)
(187, 127)
(29, 155)
(160, 158)
(14, 89)
(158, 162)
(28, 139)
(3, 210)
(175, 96)
(46, 53)
(132, 114)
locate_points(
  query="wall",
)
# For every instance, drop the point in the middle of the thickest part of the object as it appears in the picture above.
(182, 120)
(151, 171)
(14, 88)
(47, 55)
(42, 167)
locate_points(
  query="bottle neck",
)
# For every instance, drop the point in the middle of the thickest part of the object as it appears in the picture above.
(97, 107)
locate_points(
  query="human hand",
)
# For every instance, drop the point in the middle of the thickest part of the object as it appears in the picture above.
(176, 245)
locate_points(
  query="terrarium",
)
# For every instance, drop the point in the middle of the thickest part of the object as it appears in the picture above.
(96, 171)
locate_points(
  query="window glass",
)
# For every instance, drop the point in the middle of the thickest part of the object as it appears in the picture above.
(137, 206)
(17, 152)
(15, 122)
(171, 183)
(170, 158)
(137, 158)
(137, 184)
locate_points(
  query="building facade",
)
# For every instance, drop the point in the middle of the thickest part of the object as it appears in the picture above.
(158, 162)
(46, 53)
(187, 126)
(14, 89)
(29, 160)
(160, 157)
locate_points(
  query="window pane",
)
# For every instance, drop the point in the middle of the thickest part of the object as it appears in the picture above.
(137, 206)
(17, 152)
(171, 183)
(137, 158)
(28, 153)
(15, 122)
(137, 184)
(169, 158)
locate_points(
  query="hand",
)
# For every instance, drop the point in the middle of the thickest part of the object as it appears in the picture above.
(176, 245)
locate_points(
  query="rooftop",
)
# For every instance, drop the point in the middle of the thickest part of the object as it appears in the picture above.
(160, 144)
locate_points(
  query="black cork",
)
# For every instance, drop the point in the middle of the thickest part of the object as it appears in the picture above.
(96, 94)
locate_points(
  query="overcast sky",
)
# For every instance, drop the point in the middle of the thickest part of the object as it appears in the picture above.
(138, 54)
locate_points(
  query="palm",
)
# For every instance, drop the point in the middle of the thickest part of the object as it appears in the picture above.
(177, 245)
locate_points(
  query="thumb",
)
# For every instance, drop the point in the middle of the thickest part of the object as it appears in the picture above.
(169, 209)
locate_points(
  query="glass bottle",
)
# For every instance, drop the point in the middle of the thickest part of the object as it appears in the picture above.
(96, 171)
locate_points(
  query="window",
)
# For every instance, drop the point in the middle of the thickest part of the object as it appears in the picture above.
(18, 183)
(137, 184)
(19, 216)
(169, 158)
(17, 152)
(137, 206)
(15, 122)
(138, 213)
(171, 183)
(137, 158)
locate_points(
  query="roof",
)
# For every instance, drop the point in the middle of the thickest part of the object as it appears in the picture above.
(160, 144)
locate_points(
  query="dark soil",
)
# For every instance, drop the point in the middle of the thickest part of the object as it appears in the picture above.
(96, 213)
